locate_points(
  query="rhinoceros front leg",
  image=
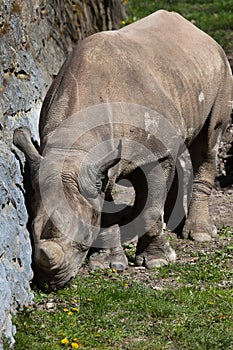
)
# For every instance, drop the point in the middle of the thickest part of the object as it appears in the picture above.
(153, 248)
(109, 252)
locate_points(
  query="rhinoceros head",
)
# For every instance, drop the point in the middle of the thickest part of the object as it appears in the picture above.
(67, 207)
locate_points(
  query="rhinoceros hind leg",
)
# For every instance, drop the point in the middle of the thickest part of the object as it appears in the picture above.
(203, 152)
(202, 232)
(154, 251)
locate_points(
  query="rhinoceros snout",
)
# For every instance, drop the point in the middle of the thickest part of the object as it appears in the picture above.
(56, 265)
(49, 255)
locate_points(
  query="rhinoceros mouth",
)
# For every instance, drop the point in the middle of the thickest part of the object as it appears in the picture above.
(54, 268)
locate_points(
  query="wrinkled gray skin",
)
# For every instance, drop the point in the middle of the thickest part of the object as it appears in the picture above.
(162, 62)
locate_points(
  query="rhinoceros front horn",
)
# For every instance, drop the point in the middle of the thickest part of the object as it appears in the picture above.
(49, 255)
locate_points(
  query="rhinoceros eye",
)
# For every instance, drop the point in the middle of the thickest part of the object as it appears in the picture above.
(99, 180)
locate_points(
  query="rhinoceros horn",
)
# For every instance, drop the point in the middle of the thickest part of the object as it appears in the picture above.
(49, 255)
(22, 139)
(93, 174)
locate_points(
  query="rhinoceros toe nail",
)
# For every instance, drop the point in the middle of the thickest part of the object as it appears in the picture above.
(139, 261)
(96, 265)
(214, 232)
(155, 263)
(200, 237)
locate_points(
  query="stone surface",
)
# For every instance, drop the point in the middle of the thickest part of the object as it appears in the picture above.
(35, 37)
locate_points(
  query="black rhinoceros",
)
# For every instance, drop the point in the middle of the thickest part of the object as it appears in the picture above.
(123, 106)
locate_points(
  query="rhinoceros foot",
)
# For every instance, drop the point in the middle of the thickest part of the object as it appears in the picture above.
(109, 258)
(199, 232)
(157, 257)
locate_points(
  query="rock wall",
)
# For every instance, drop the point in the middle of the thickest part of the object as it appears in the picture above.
(35, 37)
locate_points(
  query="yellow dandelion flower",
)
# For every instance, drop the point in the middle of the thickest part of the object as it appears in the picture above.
(75, 339)
(211, 302)
(74, 345)
(114, 270)
(75, 309)
(65, 341)
(66, 310)
(70, 313)
(75, 300)
(126, 285)
(89, 299)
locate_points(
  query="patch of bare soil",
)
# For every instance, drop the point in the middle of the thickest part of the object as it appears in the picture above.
(221, 207)
(188, 253)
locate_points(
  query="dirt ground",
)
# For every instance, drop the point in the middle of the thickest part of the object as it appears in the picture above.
(221, 207)
(188, 253)
(221, 201)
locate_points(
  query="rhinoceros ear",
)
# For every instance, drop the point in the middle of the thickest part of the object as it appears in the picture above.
(22, 139)
(93, 174)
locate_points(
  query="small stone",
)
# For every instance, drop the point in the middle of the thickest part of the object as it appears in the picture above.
(50, 305)
(158, 288)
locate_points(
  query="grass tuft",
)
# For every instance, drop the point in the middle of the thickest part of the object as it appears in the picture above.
(213, 17)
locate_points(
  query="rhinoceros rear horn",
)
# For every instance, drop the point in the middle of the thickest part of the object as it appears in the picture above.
(49, 255)
(22, 140)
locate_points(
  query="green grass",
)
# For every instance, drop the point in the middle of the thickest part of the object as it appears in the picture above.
(183, 306)
(214, 17)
